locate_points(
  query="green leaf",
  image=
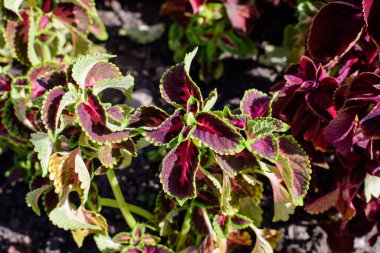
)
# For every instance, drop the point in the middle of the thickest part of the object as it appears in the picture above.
(105, 156)
(13, 5)
(68, 98)
(124, 84)
(221, 224)
(144, 34)
(212, 178)
(83, 65)
(68, 168)
(295, 168)
(189, 58)
(33, 197)
(260, 126)
(371, 187)
(283, 203)
(44, 148)
(21, 101)
(83, 176)
(32, 55)
(105, 243)
(252, 210)
(261, 245)
(210, 100)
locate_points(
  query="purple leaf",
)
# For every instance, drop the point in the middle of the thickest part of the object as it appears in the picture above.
(265, 146)
(206, 199)
(92, 118)
(370, 123)
(50, 107)
(321, 101)
(237, 162)
(340, 130)
(335, 29)
(5, 82)
(255, 104)
(116, 113)
(365, 87)
(179, 169)
(216, 134)
(298, 73)
(177, 87)
(371, 9)
(167, 131)
(238, 121)
(147, 117)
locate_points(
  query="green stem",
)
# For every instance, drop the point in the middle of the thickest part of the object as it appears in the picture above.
(185, 229)
(120, 199)
(46, 55)
(134, 209)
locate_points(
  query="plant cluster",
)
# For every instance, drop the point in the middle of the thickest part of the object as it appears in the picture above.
(213, 26)
(331, 102)
(35, 32)
(217, 166)
(212, 175)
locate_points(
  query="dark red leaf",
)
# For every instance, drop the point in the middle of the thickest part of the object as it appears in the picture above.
(178, 170)
(371, 122)
(240, 221)
(92, 118)
(5, 82)
(167, 131)
(39, 72)
(237, 162)
(340, 130)
(255, 104)
(371, 9)
(365, 87)
(206, 199)
(335, 29)
(52, 79)
(177, 87)
(50, 107)
(321, 100)
(147, 116)
(216, 134)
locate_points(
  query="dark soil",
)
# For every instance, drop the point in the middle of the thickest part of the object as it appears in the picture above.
(21, 230)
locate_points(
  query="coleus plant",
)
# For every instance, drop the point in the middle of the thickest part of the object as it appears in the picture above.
(331, 103)
(43, 31)
(213, 26)
(212, 175)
